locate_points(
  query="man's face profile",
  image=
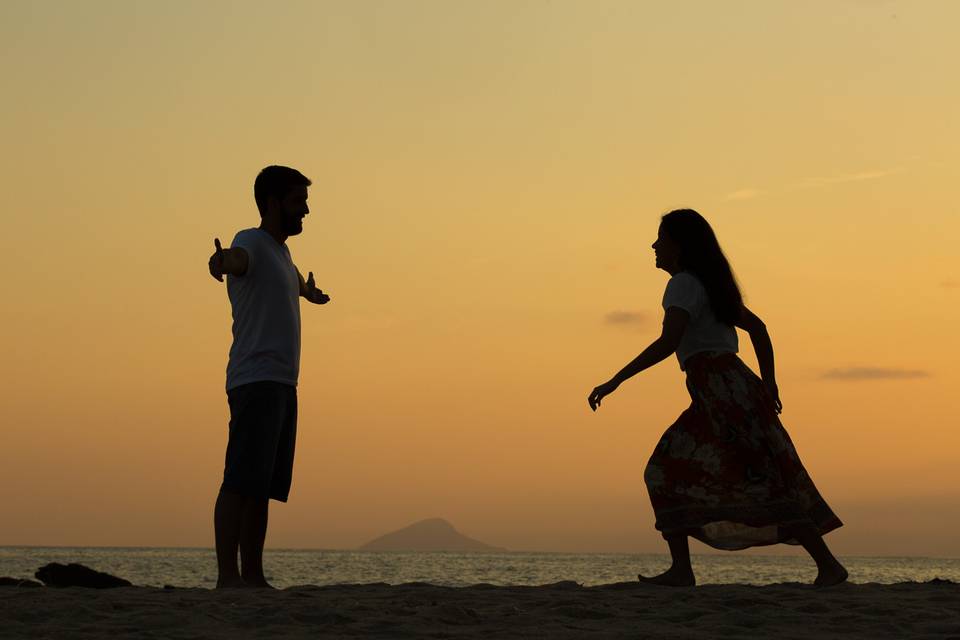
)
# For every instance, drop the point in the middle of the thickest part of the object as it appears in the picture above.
(291, 210)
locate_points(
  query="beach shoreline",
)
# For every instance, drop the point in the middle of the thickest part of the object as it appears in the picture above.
(420, 610)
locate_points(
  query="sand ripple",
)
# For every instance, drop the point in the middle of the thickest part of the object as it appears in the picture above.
(563, 610)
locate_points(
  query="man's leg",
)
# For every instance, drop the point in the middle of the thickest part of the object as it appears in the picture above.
(253, 534)
(680, 573)
(280, 452)
(226, 525)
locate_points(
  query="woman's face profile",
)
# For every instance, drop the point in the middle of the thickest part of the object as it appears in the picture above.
(666, 252)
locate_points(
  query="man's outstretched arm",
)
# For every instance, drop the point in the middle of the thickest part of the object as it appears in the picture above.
(233, 261)
(309, 290)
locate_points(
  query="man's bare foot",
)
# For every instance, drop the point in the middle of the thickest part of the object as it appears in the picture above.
(259, 584)
(671, 578)
(231, 583)
(831, 576)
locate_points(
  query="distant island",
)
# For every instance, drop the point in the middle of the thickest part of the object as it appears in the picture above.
(433, 534)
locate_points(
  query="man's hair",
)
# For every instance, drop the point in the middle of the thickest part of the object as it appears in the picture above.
(275, 182)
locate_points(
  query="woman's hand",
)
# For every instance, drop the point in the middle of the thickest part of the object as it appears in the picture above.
(599, 392)
(771, 388)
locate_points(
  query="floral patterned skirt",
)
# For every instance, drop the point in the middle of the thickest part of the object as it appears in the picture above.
(726, 471)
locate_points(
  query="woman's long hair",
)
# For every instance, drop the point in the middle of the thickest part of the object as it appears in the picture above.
(700, 254)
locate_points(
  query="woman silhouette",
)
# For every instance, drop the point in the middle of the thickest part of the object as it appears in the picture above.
(726, 471)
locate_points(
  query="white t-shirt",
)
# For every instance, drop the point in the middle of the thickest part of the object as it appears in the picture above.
(704, 332)
(266, 313)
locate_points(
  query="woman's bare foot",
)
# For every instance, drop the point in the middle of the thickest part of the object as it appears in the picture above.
(672, 578)
(829, 569)
(829, 576)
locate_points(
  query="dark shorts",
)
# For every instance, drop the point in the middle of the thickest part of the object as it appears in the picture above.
(263, 435)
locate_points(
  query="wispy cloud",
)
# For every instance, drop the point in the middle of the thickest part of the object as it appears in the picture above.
(625, 318)
(871, 3)
(748, 193)
(873, 373)
(743, 194)
(812, 183)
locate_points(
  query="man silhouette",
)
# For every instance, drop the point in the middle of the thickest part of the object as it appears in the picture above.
(264, 287)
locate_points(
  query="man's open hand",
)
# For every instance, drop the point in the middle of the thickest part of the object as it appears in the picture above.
(216, 261)
(314, 295)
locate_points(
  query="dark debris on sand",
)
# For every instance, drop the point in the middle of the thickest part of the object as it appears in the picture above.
(78, 575)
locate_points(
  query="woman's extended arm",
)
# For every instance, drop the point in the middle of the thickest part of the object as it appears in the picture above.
(762, 346)
(674, 323)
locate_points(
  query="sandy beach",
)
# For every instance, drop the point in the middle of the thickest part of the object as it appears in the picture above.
(562, 610)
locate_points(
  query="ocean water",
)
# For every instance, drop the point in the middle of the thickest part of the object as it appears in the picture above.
(290, 567)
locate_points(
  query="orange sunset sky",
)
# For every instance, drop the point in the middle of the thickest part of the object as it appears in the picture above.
(488, 178)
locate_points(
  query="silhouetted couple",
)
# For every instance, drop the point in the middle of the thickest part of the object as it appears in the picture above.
(725, 472)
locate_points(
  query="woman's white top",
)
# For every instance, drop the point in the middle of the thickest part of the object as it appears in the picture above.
(704, 332)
